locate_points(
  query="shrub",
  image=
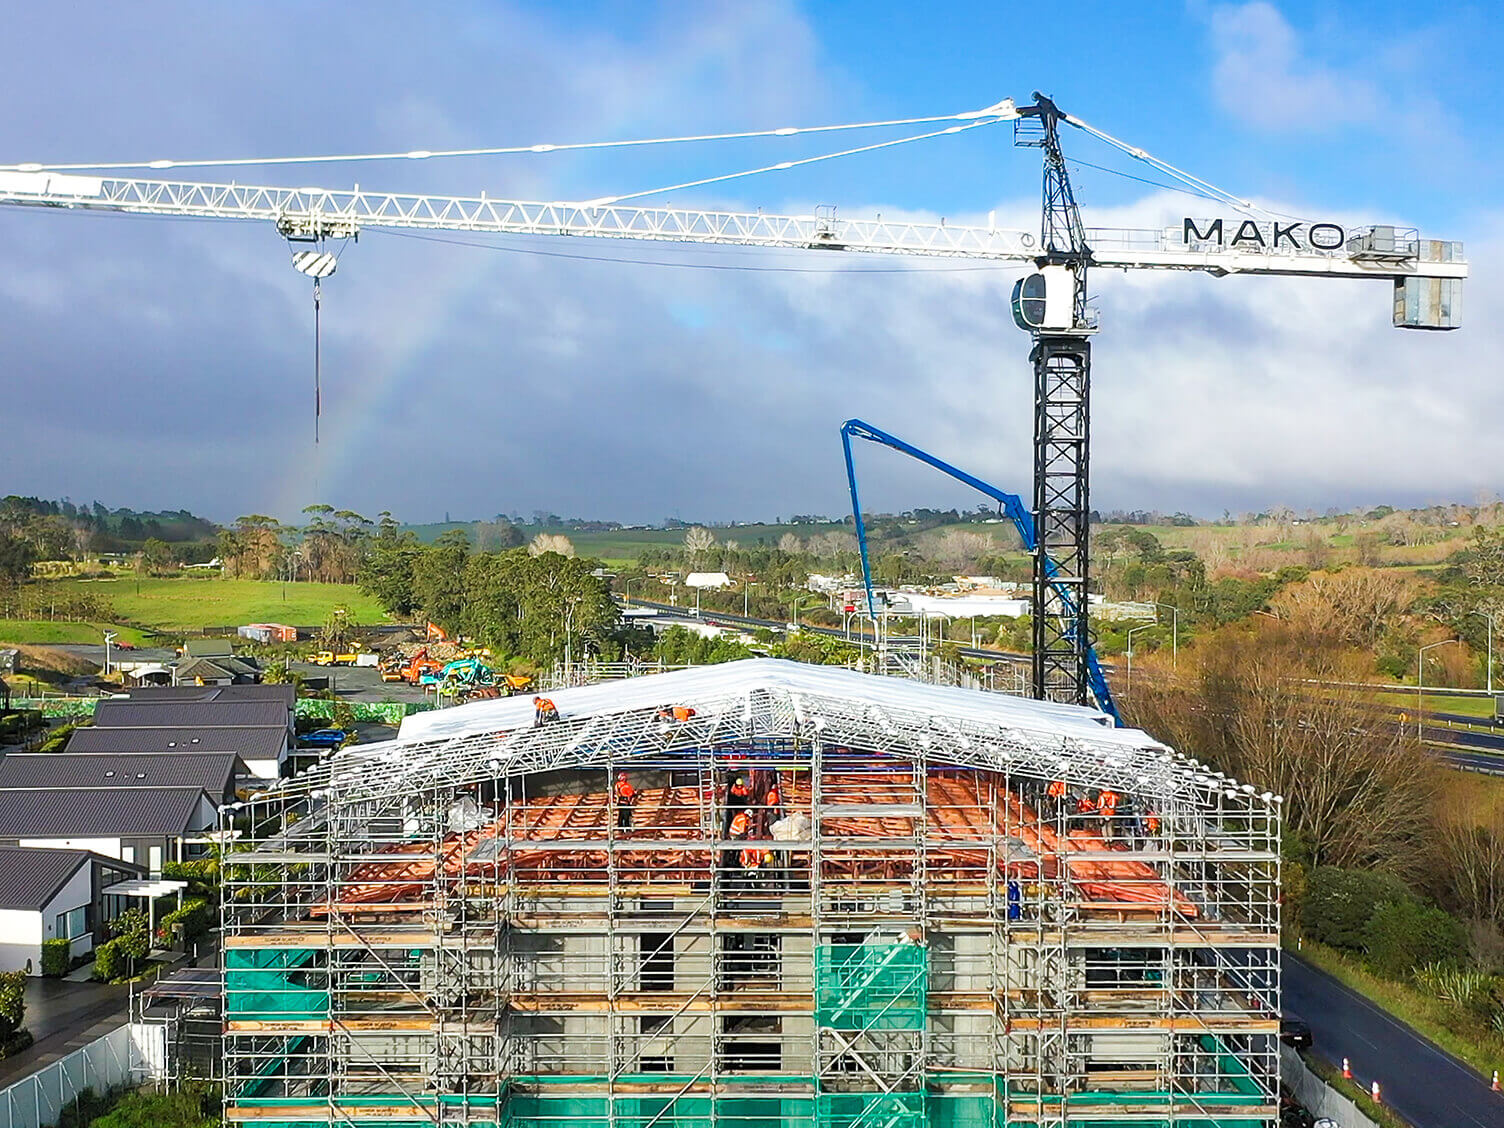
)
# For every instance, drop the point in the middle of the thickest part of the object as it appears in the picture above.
(12, 1002)
(1339, 903)
(130, 932)
(192, 920)
(1404, 935)
(57, 957)
(109, 961)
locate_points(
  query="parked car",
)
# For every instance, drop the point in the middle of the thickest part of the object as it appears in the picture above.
(323, 738)
(1294, 1032)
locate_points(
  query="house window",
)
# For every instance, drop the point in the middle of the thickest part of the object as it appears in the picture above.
(154, 859)
(72, 924)
(128, 854)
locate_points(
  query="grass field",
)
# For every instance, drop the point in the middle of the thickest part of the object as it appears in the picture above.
(188, 604)
(1436, 702)
(23, 632)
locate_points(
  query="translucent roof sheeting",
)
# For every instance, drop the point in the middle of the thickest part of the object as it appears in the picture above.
(617, 723)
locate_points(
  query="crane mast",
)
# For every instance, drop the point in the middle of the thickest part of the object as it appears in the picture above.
(1061, 358)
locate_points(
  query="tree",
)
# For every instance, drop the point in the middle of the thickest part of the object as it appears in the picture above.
(551, 542)
(439, 579)
(338, 632)
(697, 542)
(1352, 607)
(156, 556)
(253, 548)
(1358, 792)
(16, 558)
(388, 568)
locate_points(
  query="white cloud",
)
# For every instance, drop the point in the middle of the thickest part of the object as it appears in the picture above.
(1262, 75)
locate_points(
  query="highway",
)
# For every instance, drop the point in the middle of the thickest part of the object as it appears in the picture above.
(1424, 1084)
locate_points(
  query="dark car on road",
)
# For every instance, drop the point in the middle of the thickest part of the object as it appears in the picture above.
(323, 738)
(1294, 1032)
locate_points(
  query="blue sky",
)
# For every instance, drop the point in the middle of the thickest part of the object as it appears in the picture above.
(167, 364)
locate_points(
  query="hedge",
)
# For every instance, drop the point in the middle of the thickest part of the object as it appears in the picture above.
(12, 1002)
(110, 960)
(192, 920)
(57, 958)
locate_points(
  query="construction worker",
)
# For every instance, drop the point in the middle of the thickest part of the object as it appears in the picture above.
(741, 824)
(1151, 828)
(1086, 807)
(544, 711)
(681, 713)
(626, 795)
(773, 801)
(1107, 804)
(1055, 793)
(738, 795)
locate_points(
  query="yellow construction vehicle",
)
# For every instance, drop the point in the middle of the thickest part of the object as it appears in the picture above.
(517, 683)
(330, 658)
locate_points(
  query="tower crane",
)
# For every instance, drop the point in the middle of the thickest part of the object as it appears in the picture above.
(1050, 302)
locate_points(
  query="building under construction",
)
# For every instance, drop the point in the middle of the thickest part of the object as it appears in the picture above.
(758, 894)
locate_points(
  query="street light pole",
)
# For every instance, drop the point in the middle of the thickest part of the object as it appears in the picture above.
(1420, 684)
(1174, 633)
(1490, 619)
(109, 637)
(1128, 691)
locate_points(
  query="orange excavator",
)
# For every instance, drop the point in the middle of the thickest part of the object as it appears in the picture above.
(418, 665)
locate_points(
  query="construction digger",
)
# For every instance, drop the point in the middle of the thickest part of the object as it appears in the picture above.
(419, 666)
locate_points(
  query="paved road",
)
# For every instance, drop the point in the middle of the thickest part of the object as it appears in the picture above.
(1425, 1085)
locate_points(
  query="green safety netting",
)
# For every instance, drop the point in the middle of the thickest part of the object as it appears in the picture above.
(871, 986)
(262, 984)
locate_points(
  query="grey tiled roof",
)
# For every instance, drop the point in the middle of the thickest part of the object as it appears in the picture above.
(212, 771)
(257, 692)
(104, 812)
(32, 876)
(264, 743)
(132, 713)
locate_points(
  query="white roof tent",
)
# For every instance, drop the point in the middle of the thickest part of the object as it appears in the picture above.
(614, 723)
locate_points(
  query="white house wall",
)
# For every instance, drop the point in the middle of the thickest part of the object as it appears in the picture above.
(20, 940)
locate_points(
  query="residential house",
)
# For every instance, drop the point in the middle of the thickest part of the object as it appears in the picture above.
(147, 825)
(217, 773)
(209, 713)
(56, 894)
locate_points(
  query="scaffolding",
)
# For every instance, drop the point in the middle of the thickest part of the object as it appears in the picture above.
(835, 900)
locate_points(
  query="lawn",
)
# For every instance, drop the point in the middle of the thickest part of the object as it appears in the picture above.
(1438, 702)
(39, 632)
(189, 604)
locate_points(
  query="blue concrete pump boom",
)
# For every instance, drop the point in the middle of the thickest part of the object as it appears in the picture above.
(1012, 506)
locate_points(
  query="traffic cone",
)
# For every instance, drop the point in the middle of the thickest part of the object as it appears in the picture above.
(1374, 1092)
(1347, 1070)
(1495, 1085)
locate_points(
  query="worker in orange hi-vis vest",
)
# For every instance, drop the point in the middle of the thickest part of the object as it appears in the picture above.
(626, 795)
(544, 711)
(1055, 793)
(1107, 804)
